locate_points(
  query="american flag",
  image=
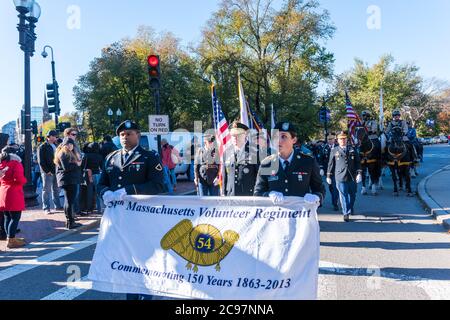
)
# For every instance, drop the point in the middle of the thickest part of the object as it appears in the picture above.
(221, 127)
(352, 117)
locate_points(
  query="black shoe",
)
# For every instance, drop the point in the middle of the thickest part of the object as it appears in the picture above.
(72, 225)
(346, 218)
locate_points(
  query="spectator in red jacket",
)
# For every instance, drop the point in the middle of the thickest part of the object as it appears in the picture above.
(170, 158)
(12, 200)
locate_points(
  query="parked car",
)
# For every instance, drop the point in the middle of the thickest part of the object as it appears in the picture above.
(181, 141)
(443, 139)
(427, 141)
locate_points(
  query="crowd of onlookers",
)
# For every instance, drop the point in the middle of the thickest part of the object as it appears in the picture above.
(61, 169)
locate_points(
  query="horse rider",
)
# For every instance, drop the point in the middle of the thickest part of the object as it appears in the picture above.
(370, 124)
(398, 122)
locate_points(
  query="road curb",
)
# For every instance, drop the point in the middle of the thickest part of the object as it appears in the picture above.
(438, 213)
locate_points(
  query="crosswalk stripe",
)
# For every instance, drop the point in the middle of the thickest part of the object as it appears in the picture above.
(24, 266)
(71, 291)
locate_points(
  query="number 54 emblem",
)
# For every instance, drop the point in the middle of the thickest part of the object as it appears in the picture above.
(203, 245)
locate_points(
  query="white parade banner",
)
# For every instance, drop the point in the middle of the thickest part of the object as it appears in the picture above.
(234, 248)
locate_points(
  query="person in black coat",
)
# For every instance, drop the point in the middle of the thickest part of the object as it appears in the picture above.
(91, 166)
(289, 172)
(68, 174)
(325, 153)
(345, 167)
(45, 158)
(107, 146)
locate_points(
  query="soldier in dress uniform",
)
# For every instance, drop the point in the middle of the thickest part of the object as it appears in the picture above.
(241, 165)
(325, 153)
(131, 171)
(289, 172)
(345, 167)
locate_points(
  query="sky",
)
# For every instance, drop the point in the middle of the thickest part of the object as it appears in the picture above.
(413, 31)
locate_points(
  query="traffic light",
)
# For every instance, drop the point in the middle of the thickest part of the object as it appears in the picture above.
(154, 71)
(53, 98)
(34, 127)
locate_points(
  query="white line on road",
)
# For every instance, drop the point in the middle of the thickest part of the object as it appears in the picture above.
(436, 290)
(71, 290)
(24, 266)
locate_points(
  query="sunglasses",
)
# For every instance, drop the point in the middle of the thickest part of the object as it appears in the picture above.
(74, 134)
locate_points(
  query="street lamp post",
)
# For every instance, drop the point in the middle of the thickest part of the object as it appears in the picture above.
(44, 55)
(110, 115)
(119, 115)
(29, 11)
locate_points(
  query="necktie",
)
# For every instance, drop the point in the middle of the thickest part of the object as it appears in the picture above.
(127, 155)
(286, 165)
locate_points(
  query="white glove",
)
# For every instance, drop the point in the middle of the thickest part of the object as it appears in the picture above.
(359, 178)
(108, 196)
(276, 197)
(329, 181)
(322, 173)
(120, 194)
(311, 199)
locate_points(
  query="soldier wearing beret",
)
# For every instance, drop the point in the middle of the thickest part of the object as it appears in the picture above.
(345, 167)
(289, 172)
(131, 171)
(241, 164)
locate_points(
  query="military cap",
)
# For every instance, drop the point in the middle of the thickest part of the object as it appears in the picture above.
(286, 127)
(396, 113)
(238, 128)
(127, 125)
(342, 135)
(209, 137)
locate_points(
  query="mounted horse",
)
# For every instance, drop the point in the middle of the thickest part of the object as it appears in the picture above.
(370, 154)
(399, 160)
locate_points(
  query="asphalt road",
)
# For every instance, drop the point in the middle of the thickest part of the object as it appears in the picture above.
(391, 250)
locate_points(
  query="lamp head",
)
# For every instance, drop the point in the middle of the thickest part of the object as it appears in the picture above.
(44, 54)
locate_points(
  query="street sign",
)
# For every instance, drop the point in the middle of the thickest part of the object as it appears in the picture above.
(159, 124)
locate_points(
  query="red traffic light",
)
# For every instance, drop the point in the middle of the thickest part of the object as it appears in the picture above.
(153, 61)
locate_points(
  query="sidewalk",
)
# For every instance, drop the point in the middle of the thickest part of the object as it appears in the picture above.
(37, 226)
(434, 193)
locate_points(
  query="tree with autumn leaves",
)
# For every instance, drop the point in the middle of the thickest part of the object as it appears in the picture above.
(281, 55)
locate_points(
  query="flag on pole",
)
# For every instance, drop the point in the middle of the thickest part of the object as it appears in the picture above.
(243, 103)
(272, 118)
(222, 131)
(353, 119)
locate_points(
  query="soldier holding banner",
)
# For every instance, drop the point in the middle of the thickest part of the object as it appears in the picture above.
(130, 171)
(289, 172)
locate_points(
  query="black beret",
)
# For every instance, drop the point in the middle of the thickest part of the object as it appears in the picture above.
(237, 128)
(286, 127)
(127, 125)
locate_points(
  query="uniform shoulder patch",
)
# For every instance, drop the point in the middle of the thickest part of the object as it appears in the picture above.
(159, 167)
